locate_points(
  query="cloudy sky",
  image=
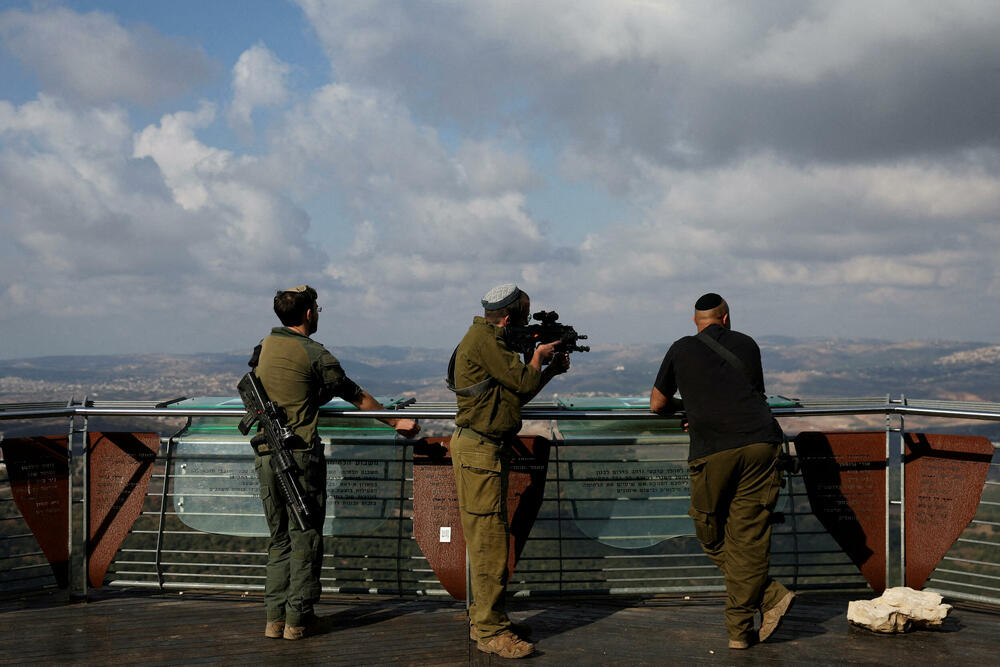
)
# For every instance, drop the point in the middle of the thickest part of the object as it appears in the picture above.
(832, 168)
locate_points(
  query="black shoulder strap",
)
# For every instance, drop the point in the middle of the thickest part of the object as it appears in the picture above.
(467, 392)
(726, 354)
(255, 357)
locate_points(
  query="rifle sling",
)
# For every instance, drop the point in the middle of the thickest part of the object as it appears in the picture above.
(474, 390)
(735, 362)
(726, 354)
(466, 392)
(255, 357)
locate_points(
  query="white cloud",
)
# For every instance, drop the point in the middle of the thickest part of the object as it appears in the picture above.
(94, 59)
(568, 35)
(862, 250)
(258, 81)
(766, 205)
(686, 84)
(812, 47)
(253, 224)
(184, 161)
(362, 139)
(486, 168)
(831, 167)
(412, 192)
(103, 230)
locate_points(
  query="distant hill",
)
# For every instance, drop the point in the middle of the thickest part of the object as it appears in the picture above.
(798, 368)
(919, 369)
(792, 367)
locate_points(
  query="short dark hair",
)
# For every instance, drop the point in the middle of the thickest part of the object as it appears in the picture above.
(291, 305)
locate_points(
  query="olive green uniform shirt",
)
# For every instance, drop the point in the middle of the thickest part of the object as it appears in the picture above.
(481, 355)
(300, 375)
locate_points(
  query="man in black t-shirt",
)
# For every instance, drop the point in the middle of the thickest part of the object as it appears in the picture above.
(735, 480)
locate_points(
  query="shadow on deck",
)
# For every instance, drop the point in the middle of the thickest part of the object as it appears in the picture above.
(130, 627)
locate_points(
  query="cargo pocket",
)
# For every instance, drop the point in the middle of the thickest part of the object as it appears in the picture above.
(773, 491)
(706, 526)
(481, 481)
(702, 511)
(313, 475)
(264, 476)
(258, 465)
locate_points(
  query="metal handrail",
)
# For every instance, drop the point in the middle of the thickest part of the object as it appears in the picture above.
(529, 412)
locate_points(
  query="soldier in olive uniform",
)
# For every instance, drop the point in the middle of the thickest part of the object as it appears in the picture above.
(492, 384)
(300, 375)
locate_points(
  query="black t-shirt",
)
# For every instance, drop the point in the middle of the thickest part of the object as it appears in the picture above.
(724, 409)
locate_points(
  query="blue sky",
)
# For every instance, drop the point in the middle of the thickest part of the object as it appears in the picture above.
(832, 168)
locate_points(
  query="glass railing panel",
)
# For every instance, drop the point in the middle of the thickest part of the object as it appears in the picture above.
(216, 490)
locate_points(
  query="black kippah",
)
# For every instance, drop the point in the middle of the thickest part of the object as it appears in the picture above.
(708, 301)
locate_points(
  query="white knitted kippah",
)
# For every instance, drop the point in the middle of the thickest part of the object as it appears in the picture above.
(501, 296)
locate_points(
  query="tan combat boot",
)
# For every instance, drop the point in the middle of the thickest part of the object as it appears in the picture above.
(506, 645)
(522, 630)
(771, 619)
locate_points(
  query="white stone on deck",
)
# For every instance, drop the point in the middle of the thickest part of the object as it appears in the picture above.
(898, 610)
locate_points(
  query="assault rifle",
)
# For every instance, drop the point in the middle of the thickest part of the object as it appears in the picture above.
(525, 339)
(274, 432)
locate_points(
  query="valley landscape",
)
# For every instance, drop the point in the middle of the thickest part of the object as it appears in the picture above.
(795, 368)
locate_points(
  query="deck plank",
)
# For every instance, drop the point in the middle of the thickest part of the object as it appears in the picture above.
(202, 628)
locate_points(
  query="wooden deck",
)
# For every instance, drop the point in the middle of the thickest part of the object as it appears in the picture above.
(131, 627)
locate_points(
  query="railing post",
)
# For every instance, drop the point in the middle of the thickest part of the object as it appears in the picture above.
(894, 494)
(902, 495)
(888, 487)
(158, 556)
(78, 531)
(400, 518)
(85, 437)
(792, 513)
(559, 513)
(70, 532)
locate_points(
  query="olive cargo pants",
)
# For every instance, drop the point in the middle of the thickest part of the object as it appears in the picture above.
(294, 557)
(733, 493)
(481, 476)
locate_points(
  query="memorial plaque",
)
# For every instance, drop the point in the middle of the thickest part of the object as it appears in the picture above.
(120, 467)
(437, 525)
(38, 470)
(624, 483)
(844, 476)
(944, 478)
(628, 504)
(216, 488)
